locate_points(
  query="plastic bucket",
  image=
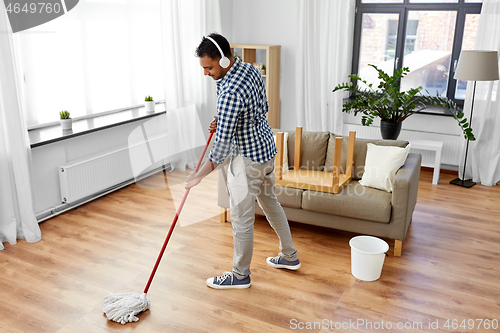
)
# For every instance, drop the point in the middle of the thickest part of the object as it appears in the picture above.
(367, 257)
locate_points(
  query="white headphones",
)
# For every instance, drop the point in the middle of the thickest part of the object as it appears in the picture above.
(224, 62)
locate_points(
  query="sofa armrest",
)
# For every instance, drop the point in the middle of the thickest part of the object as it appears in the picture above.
(404, 194)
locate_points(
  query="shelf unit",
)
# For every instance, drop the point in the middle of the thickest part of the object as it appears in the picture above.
(272, 77)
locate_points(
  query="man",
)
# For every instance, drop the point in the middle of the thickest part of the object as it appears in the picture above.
(243, 134)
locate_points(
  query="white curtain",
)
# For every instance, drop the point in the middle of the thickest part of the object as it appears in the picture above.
(17, 218)
(184, 23)
(324, 44)
(483, 162)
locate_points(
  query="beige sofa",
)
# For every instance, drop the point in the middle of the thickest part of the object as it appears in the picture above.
(356, 208)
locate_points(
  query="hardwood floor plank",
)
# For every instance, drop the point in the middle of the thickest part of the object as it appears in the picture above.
(72, 328)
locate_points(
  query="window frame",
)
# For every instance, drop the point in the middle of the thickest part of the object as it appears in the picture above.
(461, 7)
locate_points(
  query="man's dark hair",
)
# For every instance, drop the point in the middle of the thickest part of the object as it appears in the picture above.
(208, 49)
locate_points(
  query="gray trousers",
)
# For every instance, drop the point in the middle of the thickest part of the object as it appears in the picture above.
(248, 181)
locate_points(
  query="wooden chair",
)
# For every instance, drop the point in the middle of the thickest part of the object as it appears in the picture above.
(330, 182)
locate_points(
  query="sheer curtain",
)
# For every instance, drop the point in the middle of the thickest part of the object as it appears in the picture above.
(324, 45)
(184, 23)
(17, 218)
(484, 154)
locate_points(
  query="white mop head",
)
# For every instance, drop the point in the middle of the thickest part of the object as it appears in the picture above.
(123, 308)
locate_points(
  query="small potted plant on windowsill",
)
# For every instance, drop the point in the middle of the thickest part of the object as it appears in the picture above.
(149, 104)
(65, 121)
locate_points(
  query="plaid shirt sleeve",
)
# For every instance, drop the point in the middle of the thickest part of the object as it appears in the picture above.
(228, 109)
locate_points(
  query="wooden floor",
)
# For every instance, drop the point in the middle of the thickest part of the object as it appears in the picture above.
(449, 270)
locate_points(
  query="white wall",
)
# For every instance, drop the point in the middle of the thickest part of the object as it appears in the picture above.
(226, 16)
(267, 22)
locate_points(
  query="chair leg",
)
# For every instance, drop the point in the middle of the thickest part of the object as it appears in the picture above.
(224, 213)
(298, 148)
(397, 248)
(278, 161)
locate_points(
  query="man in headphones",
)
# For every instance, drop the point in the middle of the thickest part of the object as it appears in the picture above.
(244, 136)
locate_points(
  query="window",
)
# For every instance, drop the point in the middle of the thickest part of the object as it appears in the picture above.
(101, 55)
(424, 35)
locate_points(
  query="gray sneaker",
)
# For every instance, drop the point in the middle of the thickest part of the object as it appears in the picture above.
(228, 281)
(280, 262)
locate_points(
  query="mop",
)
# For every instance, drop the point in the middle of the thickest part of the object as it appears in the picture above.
(123, 308)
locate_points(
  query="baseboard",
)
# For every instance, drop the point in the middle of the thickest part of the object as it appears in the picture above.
(447, 171)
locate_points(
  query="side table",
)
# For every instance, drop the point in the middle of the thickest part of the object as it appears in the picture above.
(437, 147)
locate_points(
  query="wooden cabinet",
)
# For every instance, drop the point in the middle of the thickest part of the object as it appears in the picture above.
(249, 53)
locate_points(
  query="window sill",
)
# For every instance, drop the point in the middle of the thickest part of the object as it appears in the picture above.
(53, 133)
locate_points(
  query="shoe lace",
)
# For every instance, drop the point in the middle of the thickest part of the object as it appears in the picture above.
(276, 259)
(223, 277)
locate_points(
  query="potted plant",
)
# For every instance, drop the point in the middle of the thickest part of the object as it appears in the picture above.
(261, 68)
(65, 121)
(392, 105)
(149, 104)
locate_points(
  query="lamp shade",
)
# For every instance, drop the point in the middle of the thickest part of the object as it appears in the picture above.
(477, 66)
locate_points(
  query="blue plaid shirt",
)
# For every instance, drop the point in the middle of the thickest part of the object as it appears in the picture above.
(242, 126)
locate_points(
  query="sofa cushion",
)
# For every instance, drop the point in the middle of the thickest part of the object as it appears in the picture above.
(314, 145)
(355, 201)
(289, 196)
(359, 153)
(382, 163)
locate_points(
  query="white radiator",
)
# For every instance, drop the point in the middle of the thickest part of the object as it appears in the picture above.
(99, 172)
(452, 144)
(84, 177)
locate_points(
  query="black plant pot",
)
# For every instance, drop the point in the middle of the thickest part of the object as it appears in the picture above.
(390, 131)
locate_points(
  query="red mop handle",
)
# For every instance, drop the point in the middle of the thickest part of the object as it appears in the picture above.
(175, 219)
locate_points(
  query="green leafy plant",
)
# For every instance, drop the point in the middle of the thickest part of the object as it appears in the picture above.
(390, 104)
(64, 115)
(263, 67)
(149, 99)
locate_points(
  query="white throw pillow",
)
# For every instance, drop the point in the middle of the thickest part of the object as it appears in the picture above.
(381, 165)
(285, 151)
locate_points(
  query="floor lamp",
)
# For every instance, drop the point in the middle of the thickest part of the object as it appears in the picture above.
(475, 66)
